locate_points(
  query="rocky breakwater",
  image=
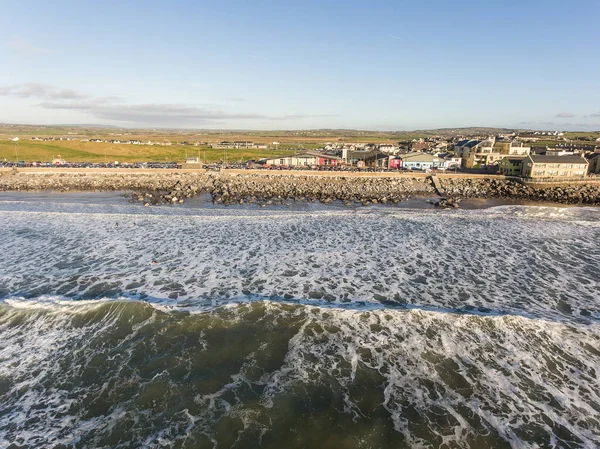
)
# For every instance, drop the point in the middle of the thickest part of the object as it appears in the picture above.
(500, 188)
(154, 188)
(277, 189)
(261, 189)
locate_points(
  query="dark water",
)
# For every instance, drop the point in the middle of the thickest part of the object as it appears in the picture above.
(126, 327)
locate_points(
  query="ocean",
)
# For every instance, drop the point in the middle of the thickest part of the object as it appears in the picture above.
(309, 326)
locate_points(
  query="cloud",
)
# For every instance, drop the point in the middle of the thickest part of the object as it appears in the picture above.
(117, 109)
(564, 115)
(161, 113)
(593, 115)
(35, 90)
(391, 36)
(147, 113)
(22, 46)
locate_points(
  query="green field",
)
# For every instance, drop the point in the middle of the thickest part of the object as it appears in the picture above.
(75, 151)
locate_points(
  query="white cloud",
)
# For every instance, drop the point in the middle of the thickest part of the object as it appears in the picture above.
(35, 90)
(116, 109)
(564, 115)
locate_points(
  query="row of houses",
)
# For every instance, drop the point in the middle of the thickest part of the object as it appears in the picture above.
(240, 144)
(364, 159)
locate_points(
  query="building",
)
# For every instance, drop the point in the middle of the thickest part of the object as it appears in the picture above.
(511, 165)
(488, 153)
(536, 166)
(594, 167)
(387, 148)
(559, 152)
(364, 158)
(307, 159)
(243, 144)
(420, 161)
(448, 161)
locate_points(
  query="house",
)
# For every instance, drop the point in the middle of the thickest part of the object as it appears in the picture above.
(307, 159)
(243, 144)
(420, 161)
(449, 162)
(558, 152)
(387, 148)
(511, 165)
(536, 166)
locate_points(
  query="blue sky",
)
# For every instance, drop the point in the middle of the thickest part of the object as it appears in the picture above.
(385, 65)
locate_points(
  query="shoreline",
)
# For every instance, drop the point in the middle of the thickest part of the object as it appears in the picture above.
(205, 201)
(266, 188)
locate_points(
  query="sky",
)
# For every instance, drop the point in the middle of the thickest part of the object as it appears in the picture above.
(233, 64)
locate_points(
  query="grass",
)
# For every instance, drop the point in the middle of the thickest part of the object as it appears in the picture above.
(75, 151)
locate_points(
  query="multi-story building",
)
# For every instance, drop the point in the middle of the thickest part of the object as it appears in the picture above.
(511, 165)
(536, 166)
(488, 153)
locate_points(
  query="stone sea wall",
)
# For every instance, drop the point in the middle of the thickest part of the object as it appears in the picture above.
(498, 188)
(161, 188)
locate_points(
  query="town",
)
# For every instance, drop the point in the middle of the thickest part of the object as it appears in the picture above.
(532, 155)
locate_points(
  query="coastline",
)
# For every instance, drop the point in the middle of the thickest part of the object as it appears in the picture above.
(266, 189)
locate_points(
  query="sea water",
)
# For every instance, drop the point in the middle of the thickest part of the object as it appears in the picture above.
(319, 327)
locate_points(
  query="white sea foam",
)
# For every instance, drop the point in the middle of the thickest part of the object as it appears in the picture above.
(515, 260)
(465, 324)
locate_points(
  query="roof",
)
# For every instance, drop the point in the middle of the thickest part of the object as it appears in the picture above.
(469, 143)
(414, 157)
(557, 159)
(309, 154)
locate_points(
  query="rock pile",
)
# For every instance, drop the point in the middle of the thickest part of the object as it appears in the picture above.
(499, 188)
(263, 189)
(266, 189)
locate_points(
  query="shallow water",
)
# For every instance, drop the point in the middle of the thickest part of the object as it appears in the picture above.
(200, 326)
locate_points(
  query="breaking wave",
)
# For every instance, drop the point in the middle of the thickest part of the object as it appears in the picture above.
(123, 326)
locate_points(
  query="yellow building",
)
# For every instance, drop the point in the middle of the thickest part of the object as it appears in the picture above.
(536, 166)
(511, 165)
